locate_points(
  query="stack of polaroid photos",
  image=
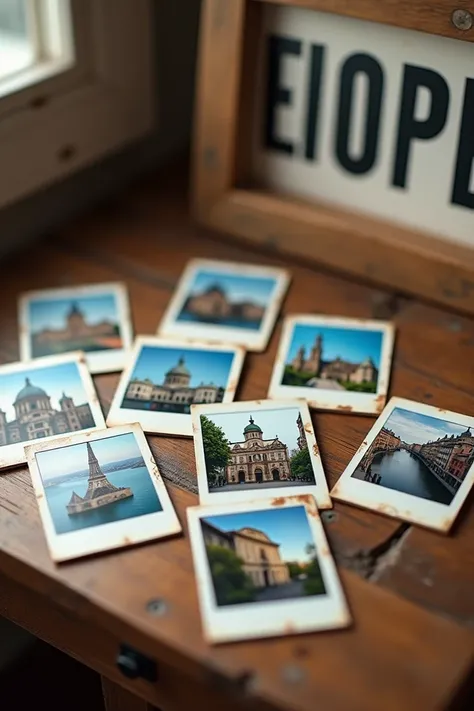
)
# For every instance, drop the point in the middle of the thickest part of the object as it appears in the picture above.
(262, 562)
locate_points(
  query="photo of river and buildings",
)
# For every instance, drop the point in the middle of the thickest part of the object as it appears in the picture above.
(91, 484)
(228, 300)
(419, 455)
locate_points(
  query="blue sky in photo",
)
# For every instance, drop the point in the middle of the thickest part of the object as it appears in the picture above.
(414, 427)
(67, 460)
(52, 313)
(281, 422)
(54, 379)
(287, 526)
(205, 366)
(352, 345)
(238, 288)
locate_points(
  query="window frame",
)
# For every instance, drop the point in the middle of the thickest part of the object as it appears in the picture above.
(75, 115)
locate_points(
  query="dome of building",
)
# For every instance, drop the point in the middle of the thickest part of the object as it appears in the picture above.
(179, 369)
(74, 309)
(252, 427)
(30, 390)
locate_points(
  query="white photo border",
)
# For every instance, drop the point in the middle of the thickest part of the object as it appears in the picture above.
(251, 340)
(397, 504)
(168, 422)
(12, 455)
(319, 489)
(269, 618)
(106, 361)
(341, 401)
(118, 534)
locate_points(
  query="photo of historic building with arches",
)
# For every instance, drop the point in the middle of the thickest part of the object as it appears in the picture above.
(38, 402)
(265, 449)
(262, 556)
(333, 358)
(420, 455)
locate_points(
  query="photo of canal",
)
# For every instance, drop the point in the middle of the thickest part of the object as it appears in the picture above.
(403, 472)
(418, 454)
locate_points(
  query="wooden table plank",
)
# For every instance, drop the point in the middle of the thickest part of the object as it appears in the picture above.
(414, 654)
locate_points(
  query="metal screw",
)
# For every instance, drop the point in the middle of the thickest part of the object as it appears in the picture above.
(462, 19)
(157, 607)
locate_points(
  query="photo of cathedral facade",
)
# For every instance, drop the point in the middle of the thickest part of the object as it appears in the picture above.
(257, 459)
(174, 394)
(310, 369)
(77, 334)
(36, 417)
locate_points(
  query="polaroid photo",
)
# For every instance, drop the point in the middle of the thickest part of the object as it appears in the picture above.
(93, 319)
(415, 464)
(99, 491)
(43, 399)
(227, 302)
(338, 364)
(264, 569)
(164, 377)
(254, 450)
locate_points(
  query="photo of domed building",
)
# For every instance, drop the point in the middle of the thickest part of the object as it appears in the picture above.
(171, 379)
(257, 459)
(35, 413)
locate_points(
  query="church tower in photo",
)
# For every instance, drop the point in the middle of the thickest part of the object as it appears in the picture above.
(100, 492)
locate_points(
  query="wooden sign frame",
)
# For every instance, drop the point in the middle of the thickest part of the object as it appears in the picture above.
(225, 197)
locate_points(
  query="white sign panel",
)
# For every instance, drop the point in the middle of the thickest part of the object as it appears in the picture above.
(369, 117)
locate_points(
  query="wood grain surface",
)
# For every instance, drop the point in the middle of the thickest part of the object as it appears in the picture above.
(410, 591)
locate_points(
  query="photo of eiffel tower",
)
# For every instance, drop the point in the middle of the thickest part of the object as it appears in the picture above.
(100, 492)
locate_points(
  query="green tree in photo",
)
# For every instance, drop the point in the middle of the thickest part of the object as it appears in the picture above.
(216, 450)
(367, 387)
(314, 583)
(300, 465)
(295, 377)
(295, 569)
(231, 584)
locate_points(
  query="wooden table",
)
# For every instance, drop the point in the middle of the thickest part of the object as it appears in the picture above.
(410, 590)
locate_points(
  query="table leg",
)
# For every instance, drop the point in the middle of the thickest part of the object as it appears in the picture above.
(116, 698)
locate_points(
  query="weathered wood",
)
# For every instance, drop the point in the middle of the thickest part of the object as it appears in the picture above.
(422, 15)
(418, 654)
(116, 698)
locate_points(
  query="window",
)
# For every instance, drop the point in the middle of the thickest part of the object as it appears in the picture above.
(69, 93)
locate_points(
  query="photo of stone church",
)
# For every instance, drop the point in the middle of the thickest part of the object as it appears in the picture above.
(333, 359)
(63, 325)
(30, 412)
(257, 459)
(170, 379)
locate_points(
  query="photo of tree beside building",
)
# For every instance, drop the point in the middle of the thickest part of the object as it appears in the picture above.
(247, 556)
(254, 460)
(332, 358)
